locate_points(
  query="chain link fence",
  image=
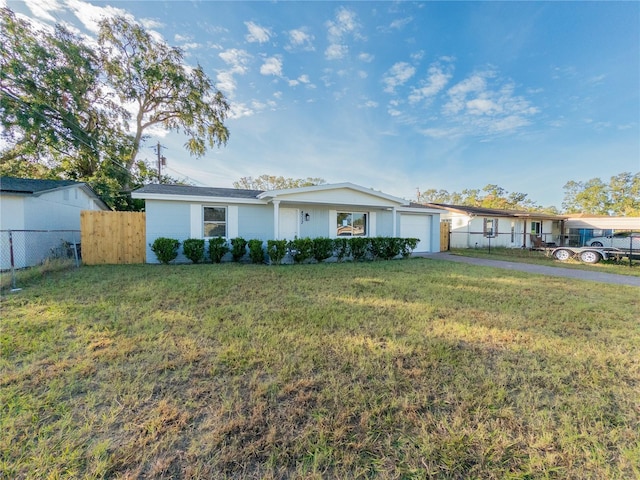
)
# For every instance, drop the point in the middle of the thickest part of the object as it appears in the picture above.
(22, 249)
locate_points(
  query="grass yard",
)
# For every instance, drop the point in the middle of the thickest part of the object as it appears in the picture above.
(403, 369)
(540, 258)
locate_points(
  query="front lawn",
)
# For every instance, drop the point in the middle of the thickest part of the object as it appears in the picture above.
(400, 369)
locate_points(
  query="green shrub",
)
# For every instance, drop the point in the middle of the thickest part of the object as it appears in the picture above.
(238, 248)
(385, 248)
(256, 253)
(194, 249)
(301, 249)
(341, 248)
(218, 248)
(359, 247)
(166, 249)
(408, 246)
(322, 248)
(276, 249)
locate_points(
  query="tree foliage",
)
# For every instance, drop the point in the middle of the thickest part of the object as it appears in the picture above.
(491, 196)
(68, 110)
(152, 76)
(621, 196)
(271, 182)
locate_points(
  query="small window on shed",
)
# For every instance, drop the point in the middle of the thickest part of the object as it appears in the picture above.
(490, 227)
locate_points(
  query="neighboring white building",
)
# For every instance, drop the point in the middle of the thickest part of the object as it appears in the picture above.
(344, 209)
(476, 227)
(35, 211)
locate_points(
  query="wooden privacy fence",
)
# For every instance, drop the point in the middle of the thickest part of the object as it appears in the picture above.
(445, 233)
(112, 237)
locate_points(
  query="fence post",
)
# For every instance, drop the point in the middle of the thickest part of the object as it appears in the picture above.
(13, 270)
(75, 247)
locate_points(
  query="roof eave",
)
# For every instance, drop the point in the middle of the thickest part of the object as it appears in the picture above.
(197, 198)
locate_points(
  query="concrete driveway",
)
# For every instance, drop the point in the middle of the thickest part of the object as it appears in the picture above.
(540, 269)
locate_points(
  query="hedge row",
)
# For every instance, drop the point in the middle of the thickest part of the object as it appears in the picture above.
(300, 249)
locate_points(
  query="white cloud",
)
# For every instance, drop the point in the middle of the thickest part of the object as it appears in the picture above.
(397, 75)
(482, 106)
(437, 79)
(485, 107)
(237, 60)
(336, 52)
(417, 56)
(272, 66)
(343, 28)
(345, 23)
(459, 92)
(300, 40)
(43, 9)
(366, 57)
(90, 15)
(151, 23)
(257, 34)
(182, 38)
(400, 23)
(190, 46)
(239, 110)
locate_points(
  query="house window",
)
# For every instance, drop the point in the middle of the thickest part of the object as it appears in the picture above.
(536, 228)
(215, 222)
(352, 224)
(490, 227)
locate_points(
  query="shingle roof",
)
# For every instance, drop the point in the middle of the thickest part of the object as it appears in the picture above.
(495, 211)
(32, 185)
(189, 190)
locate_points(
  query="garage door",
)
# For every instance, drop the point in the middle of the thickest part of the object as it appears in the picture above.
(417, 226)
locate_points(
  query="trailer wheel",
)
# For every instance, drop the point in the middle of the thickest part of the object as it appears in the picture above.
(590, 257)
(562, 255)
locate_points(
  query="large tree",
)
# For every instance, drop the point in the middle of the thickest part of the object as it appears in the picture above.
(153, 78)
(621, 196)
(62, 103)
(54, 113)
(272, 182)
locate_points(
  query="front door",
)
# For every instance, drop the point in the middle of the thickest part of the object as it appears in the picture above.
(289, 224)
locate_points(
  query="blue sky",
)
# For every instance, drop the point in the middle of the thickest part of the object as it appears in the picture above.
(398, 96)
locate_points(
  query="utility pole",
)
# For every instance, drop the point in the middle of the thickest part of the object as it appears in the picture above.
(162, 161)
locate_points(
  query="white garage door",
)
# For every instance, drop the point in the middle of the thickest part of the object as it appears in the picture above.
(417, 226)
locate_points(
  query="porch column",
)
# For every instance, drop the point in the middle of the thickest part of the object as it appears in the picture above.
(276, 219)
(524, 234)
(395, 222)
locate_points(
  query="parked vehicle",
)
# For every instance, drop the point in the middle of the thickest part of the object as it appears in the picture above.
(620, 240)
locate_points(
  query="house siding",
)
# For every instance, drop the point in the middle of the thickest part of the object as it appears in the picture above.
(167, 219)
(255, 222)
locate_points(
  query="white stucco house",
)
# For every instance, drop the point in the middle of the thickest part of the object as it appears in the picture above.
(477, 227)
(331, 210)
(40, 214)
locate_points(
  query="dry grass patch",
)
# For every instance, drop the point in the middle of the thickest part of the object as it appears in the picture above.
(402, 369)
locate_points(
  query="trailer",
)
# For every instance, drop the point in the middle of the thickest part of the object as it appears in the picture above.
(591, 254)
